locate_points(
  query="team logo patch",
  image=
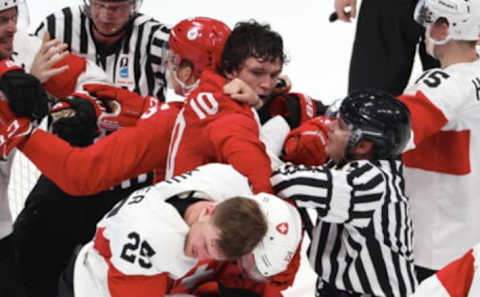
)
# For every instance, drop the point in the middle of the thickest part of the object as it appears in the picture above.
(124, 67)
(192, 34)
(282, 228)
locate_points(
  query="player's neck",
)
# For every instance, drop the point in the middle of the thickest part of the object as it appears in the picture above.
(457, 55)
(193, 212)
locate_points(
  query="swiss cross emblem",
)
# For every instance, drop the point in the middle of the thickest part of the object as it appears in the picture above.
(282, 228)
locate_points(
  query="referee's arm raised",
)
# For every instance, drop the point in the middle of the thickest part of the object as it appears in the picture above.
(347, 195)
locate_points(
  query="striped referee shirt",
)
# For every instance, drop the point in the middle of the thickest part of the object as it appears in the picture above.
(362, 241)
(135, 62)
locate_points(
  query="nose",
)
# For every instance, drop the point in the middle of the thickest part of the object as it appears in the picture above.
(11, 26)
(267, 84)
(104, 14)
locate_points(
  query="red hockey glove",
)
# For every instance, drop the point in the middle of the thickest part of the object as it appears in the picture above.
(13, 130)
(306, 144)
(296, 108)
(126, 107)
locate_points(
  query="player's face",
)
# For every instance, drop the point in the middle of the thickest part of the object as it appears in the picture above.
(8, 27)
(201, 242)
(173, 64)
(338, 135)
(260, 75)
(110, 17)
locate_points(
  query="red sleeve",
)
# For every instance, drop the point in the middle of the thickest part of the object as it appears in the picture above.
(427, 119)
(121, 285)
(457, 276)
(119, 156)
(236, 142)
(63, 85)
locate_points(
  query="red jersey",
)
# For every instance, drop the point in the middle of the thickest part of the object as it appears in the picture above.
(111, 160)
(214, 128)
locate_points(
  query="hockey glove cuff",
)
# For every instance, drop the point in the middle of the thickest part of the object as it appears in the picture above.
(306, 144)
(125, 107)
(13, 130)
(26, 95)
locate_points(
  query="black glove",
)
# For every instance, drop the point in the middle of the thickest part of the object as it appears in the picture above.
(79, 125)
(26, 95)
(235, 292)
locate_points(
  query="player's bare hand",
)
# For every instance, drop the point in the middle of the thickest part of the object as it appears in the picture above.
(240, 91)
(346, 9)
(51, 52)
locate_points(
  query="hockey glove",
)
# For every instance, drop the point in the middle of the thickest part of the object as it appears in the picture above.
(296, 108)
(26, 95)
(75, 119)
(306, 144)
(13, 130)
(284, 84)
(126, 107)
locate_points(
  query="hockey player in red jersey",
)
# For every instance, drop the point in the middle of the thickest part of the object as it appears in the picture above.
(213, 127)
(108, 161)
(113, 159)
(442, 171)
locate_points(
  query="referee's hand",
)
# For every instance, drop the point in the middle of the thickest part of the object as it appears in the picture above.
(50, 53)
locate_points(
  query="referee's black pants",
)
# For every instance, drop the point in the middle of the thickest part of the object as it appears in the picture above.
(384, 47)
(10, 284)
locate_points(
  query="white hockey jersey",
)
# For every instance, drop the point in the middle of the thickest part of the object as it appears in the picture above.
(142, 238)
(443, 171)
(25, 49)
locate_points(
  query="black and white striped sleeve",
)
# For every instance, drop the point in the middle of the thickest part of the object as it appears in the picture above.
(349, 195)
(157, 53)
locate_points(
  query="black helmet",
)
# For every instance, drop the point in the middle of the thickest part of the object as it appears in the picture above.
(378, 117)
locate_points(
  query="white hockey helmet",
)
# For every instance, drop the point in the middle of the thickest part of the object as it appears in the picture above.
(274, 253)
(23, 19)
(6, 4)
(463, 17)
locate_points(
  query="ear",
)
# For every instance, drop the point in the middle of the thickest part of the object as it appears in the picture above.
(444, 30)
(364, 147)
(210, 209)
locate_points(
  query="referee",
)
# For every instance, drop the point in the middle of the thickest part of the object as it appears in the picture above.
(128, 45)
(362, 241)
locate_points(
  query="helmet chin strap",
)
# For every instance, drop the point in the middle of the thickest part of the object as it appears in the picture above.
(185, 89)
(431, 43)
